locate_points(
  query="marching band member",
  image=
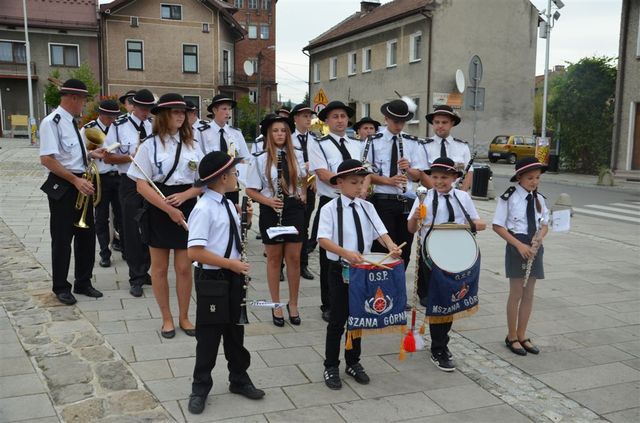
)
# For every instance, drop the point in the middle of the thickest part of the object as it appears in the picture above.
(64, 153)
(170, 158)
(128, 132)
(214, 244)
(445, 204)
(108, 111)
(443, 144)
(348, 226)
(284, 111)
(366, 127)
(264, 186)
(125, 100)
(399, 161)
(325, 155)
(217, 135)
(520, 214)
(301, 115)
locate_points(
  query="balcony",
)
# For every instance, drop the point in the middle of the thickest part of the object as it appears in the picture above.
(11, 70)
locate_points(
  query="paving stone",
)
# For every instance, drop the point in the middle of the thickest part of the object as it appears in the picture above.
(374, 366)
(609, 399)
(590, 377)
(286, 356)
(115, 376)
(472, 396)
(498, 413)
(178, 388)
(318, 394)
(389, 409)
(131, 402)
(96, 354)
(12, 410)
(65, 370)
(86, 411)
(18, 385)
(164, 351)
(11, 350)
(632, 347)
(603, 354)
(87, 339)
(277, 376)
(115, 315)
(311, 414)
(60, 329)
(68, 394)
(152, 370)
(626, 416)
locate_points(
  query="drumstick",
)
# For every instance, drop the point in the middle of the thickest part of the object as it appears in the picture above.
(377, 264)
(155, 187)
(389, 254)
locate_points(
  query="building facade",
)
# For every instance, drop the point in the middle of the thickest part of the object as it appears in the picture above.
(61, 38)
(186, 46)
(415, 47)
(257, 49)
(625, 157)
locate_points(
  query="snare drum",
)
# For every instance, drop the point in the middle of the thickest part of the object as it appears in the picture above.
(452, 248)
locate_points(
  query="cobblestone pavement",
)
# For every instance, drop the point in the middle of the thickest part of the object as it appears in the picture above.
(104, 360)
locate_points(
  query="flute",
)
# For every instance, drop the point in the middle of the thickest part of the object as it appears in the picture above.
(244, 225)
(535, 246)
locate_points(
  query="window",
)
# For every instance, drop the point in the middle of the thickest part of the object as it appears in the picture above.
(264, 32)
(253, 96)
(205, 27)
(64, 55)
(316, 72)
(253, 4)
(133, 21)
(189, 58)
(226, 67)
(416, 113)
(333, 68)
(392, 53)
(13, 52)
(254, 64)
(134, 55)
(253, 31)
(195, 99)
(352, 63)
(366, 109)
(530, 141)
(415, 46)
(366, 60)
(518, 140)
(239, 4)
(266, 4)
(171, 11)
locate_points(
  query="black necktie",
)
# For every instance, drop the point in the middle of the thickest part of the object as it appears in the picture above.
(343, 150)
(531, 215)
(233, 230)
(443, 149)
(356, 220)
(223, 142)
(393, 167)
(303, 144)
(143, 131)
(285, 168)
(452, 215)
(84, 153)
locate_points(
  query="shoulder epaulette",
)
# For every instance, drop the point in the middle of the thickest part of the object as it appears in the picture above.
(259, 153)
(91, 124)
(543, 196)
(203, 122)
(57, 118)
(122, 120)
(204, 127)
(376, 136)
(326, 137)
(150, 119)
(351, 139)
(297, 148)
(122, 116)
(459, 140)
(148, 136)
(428, 140)
(505, 196)
(413, 138)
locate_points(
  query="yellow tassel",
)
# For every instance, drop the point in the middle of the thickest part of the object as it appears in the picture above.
(348, 344)
(422, 329)
(402, 354)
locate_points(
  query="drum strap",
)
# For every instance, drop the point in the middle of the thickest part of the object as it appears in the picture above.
(472, 225)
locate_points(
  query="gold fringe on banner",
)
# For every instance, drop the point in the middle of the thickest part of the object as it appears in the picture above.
(359, 333)
(450, 318)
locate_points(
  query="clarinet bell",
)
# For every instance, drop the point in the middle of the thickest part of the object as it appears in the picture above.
(243, 320)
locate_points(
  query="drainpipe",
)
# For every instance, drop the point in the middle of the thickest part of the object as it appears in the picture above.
(429, 16)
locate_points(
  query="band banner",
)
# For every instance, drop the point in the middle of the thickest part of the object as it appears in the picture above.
(452, 295)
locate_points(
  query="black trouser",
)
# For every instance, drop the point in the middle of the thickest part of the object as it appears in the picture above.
(137, 253)
(439, 332)
(324, 261)
(63, 216)
(308, 211)
(393, 215)
(339, 297)
(110, 183)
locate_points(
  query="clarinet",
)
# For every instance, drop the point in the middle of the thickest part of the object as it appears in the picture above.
(244, 225)
(535, 241)
(460, 180)
(365, 153)
(279, 193)
(401, 151)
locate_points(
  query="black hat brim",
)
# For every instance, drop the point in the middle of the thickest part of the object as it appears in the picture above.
(356, 172)
(387, 113)
(542, 168)
(215, 103)
(457, 172)
(123, 98)
(322, 115)
(266, 124)
(358, 124)
(455, 117)
(204, 182)
(156, 109)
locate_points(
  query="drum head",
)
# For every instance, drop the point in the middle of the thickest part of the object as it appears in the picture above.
(377, 258)
(452, 250)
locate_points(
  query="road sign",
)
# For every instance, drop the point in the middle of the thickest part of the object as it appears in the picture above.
(475, 70)
(474, 99)
(318, 107)
(320, 98)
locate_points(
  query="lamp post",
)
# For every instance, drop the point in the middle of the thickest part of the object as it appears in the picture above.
(32, 119)
(259, 86)
(546, 33)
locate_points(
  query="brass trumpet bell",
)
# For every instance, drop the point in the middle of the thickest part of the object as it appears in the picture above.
(95, 138)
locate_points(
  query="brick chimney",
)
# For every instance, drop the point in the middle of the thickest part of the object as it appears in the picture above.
(368, 6)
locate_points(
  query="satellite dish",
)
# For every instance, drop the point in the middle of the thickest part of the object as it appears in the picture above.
(460, 83)
(248, 67)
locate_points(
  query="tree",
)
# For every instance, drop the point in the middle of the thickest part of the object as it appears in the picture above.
(583, 103)
(246, 121)
(83, 73)
(51, 91)
(306, 99)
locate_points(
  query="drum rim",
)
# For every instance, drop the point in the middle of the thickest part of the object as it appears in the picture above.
(387, 263)
(425, 254)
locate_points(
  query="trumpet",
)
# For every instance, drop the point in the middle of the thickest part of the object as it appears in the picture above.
(94, 140)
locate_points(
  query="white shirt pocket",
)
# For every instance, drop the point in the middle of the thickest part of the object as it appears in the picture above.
(69, 142)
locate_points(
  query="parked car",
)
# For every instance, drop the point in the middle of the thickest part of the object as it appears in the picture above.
(512, 148)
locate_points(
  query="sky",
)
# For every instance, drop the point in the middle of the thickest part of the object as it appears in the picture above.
(585, 28)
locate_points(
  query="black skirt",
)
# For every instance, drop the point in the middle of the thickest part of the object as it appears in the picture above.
(164, 232)
(292, 215)
(515, 265)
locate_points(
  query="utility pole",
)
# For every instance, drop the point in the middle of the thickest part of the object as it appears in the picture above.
(32, 119)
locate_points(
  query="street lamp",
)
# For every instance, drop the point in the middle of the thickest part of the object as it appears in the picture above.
(32, 119)
(545, 32)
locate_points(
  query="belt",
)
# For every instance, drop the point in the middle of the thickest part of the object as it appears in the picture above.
(110, 173)
(393, 197)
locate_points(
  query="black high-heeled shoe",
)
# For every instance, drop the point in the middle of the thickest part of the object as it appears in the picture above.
(295, 320)
(278, 321)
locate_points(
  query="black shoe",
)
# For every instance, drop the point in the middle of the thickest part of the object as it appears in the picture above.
(443, 362)
(518, 351)
(532, 349)
(358, 373)
(105, 262)
(295, 320)
(281, 276)
(88, 291)
(278, 321)
(196, 404)
(258, 236)
(147, 280)
(246, 390)
(136, 290)
(189, 332)
(305, 273)
(115, 246)
(168, 334)
(326, 315)
(446, 351)
(332, 378)
(66, 298)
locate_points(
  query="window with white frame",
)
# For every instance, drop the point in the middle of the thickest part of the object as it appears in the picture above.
(415, 47)
(253, 4)
(316, 72)
(253, 95)
(416, 113)
(392, 53)
(64, 55)
(239, 4)
(13, 52)
(189, 58)
(333, 68)
(254, 64)
(253, 31)
(171, 11)
(366, 59)
(352, 63)
(264, 32)
(266, 4)
(366, 109)
(135, 59)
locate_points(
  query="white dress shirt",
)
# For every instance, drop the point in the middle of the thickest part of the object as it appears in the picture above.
(257, 174)
(323, 154)
(442, 213)
(209, 226)
(61, 140)
(372, 226)
(102, 166)
(124, 132)
(457, 150)
(157, 158)
(512, 213)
